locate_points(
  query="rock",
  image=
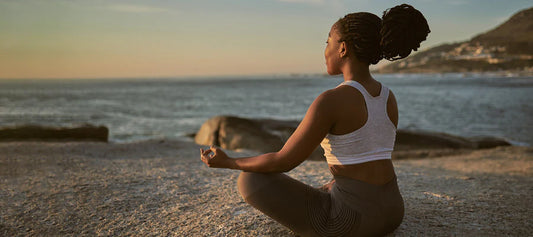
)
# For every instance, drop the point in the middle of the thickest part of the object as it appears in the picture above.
(85, 132)
(428, 153)
(190, 135)
(268, 135)
(237, 133)
(263, 135)
(488, 142)
(416, 139)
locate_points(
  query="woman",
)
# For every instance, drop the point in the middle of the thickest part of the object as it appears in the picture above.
(355, 123)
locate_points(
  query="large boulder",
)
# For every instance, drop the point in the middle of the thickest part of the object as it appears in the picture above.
(267, 135)
(85, 132)
(237, 133)
(234, 133)
(417, 139)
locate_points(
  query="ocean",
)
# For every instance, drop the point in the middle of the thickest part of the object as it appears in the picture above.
(142, 109)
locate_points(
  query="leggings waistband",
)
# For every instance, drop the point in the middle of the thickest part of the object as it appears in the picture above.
(369, 199)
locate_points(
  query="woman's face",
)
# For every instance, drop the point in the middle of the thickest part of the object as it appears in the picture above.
(333, 51)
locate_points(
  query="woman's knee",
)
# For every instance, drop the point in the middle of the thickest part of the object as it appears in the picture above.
(243, 182)
(249, 183)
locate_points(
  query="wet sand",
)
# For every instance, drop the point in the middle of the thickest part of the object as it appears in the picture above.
(162, 188)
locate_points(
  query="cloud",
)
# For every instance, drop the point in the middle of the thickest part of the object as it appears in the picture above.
(457, 2)
(314, 2)
(136, 8)
(336, 5)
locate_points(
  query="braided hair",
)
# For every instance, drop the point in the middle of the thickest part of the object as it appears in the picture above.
(371, 39)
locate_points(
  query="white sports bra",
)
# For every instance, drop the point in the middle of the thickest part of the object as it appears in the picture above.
(373, 141)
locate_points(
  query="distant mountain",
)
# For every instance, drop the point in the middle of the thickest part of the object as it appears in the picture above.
(508, 47)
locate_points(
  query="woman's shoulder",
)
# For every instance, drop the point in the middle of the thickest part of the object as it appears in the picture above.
(333, 100)
(330, 96)
(342, 93)
(341, 90)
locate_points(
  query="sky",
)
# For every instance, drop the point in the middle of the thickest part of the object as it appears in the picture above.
(164, 38)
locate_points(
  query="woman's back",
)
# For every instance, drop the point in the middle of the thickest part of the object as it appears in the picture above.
(352, 116)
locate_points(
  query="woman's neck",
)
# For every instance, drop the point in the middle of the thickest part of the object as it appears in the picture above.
(356, 71)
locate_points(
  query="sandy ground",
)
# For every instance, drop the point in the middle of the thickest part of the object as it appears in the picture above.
(161, 188)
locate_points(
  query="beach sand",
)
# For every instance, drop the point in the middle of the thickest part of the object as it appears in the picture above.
(156, 188)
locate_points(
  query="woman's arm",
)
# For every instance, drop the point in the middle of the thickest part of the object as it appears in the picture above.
(316, 124)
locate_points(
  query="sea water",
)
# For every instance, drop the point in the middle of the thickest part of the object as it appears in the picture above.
(141, 109)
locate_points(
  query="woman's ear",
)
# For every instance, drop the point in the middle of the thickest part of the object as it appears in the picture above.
(342, 49)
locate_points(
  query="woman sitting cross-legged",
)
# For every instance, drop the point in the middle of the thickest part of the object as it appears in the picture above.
(355, 123)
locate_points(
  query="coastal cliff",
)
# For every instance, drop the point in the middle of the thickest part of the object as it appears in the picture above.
(507, 47)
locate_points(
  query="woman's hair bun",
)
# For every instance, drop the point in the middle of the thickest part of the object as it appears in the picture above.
(403, 29)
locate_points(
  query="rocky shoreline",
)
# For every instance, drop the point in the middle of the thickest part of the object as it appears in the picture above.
(160, 187)
(85, 132)
(268, 135)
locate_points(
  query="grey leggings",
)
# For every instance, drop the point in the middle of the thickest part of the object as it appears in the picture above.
(351, 208)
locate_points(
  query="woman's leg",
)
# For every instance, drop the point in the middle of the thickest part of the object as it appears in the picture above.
(283, 198)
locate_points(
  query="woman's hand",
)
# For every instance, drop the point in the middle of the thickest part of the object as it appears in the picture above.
(327, 187)
(215, 158)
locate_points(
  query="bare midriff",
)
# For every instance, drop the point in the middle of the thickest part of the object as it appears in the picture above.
(374, 172)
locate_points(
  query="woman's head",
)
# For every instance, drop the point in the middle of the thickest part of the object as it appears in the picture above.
(369, 39)
(361, 32)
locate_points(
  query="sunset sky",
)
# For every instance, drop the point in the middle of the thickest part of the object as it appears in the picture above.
(163, 38)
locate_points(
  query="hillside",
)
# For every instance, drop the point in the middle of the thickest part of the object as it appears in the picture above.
(508, 47)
